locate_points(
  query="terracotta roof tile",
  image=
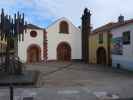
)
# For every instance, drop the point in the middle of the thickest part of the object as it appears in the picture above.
(104, 27)
(111, 25)
(31, 26)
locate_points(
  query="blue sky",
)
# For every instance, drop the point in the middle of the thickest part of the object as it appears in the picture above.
(44, 12)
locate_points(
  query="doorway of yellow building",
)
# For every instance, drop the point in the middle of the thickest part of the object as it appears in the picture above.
(101, 56)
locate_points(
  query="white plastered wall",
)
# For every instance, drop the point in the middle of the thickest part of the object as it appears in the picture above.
(28, 40)
(73, 39)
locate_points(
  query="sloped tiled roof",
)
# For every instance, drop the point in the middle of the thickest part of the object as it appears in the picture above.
(104, 27)
(31, 26)
(119, 24)
(62, 19)
(111, 25)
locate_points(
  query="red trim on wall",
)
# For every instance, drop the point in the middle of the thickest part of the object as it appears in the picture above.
(45, 47)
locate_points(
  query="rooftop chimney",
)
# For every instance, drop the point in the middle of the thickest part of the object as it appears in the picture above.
(121, 18)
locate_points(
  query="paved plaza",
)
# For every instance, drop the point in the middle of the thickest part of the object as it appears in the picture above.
(76, 81)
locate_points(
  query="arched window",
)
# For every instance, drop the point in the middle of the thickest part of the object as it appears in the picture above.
(64, 27)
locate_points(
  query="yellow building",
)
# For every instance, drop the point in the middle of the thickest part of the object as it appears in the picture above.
(99, 45)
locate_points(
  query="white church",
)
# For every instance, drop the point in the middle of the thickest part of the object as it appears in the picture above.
(64, 41)
(61, 41)
(33, 48)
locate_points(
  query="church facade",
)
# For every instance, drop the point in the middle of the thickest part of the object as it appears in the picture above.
(64, 41)
(33, 48)
(61, 41)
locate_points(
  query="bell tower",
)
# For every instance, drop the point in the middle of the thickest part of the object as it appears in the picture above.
(86, 29)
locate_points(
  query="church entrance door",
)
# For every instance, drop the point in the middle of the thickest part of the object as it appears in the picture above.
(64, 52)
(33, 54)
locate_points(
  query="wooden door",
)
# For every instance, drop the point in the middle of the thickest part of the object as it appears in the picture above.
(64, 52)
(101, 56)
(33, 54)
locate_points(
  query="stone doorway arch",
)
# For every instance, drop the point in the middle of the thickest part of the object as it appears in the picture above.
(101, 56)
(33, 54)
(63, 52)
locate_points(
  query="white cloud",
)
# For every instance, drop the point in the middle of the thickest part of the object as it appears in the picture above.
(103, 11)
(7, 3)
(71, 9)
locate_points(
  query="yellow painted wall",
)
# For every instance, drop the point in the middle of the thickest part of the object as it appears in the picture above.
(94, 45)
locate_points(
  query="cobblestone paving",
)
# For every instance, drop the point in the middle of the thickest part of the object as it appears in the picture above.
(55, 94)
(4, 94)
(94, 77)
(76, 81)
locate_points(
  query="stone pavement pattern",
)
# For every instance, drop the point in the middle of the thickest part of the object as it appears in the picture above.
(74, 81)
(55, 94)
(4, 94)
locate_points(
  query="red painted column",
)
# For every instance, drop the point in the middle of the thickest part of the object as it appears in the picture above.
(45, 47)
